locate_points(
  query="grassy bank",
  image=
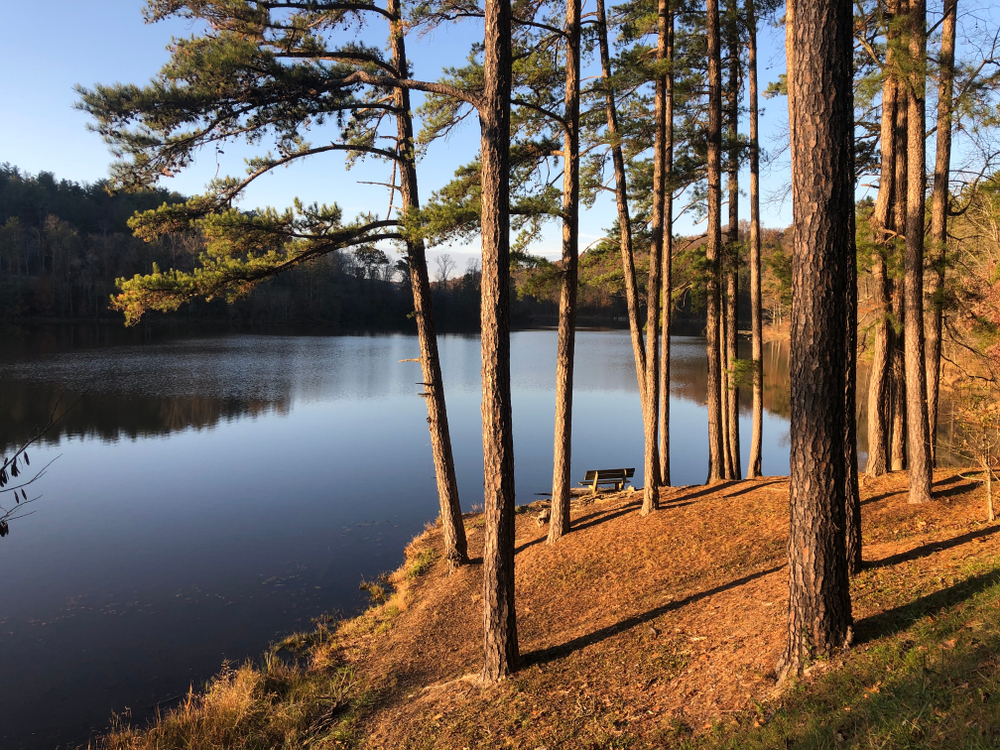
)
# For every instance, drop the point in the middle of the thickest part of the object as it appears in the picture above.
(642, 633)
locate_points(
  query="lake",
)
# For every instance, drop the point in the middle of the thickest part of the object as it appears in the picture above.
(212, 493)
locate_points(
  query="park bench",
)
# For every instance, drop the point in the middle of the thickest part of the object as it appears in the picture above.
(616, 477)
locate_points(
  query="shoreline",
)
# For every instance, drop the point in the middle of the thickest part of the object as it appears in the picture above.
(666, 627)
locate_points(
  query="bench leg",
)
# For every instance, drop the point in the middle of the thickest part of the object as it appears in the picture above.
(593, 489)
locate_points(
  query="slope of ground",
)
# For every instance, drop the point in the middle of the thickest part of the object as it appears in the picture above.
(641, 632)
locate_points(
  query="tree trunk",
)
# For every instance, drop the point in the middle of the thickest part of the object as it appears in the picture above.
(939, 219)
(756, 313)
(897, 446)
(559, 522)
(732, 402)
(437, 416)
(650, 415)
(898, 442)
(988, 468)
(883, 224)
(621, 199)
(852, 499)
(881, 371)
(822, 115)
(918, 436)
(713, 249)
(499, 619)
(668, 258)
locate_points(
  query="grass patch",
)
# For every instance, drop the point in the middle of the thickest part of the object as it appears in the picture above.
(420, 564)
(931, 682)
(270, 707)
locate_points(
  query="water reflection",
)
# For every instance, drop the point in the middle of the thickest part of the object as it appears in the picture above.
(215, 492)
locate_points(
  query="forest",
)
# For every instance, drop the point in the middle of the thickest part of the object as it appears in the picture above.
(891, 259)
(63, 246)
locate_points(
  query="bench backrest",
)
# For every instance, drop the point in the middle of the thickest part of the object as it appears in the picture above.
(609, 474)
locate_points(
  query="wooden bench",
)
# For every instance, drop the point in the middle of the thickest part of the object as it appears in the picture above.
(616, 477)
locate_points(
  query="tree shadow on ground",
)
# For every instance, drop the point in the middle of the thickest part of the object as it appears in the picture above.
(957, 490)
(938, 483)
(899, 618)
(601, 516)
(702, 490)
(553, 652)
(930, 548)
(752, 487)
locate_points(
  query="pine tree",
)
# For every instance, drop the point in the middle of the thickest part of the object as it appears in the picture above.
(716, 446)
(820, 105)
(253, 75)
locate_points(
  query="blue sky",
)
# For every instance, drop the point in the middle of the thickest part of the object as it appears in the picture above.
(103, 42)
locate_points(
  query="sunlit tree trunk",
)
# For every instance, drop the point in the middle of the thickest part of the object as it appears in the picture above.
(918, 436)
(621, 200)
(499, 619)
(437, 415)
(713, 250)
(821, 111)
(756, 313)
(559, 522)
(897, 447)
(852, 494)
(732, 396)
(939, 218)
(883, 224)
(650, 414)
(668, 258)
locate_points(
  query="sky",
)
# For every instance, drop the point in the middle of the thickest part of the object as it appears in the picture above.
(105, 42)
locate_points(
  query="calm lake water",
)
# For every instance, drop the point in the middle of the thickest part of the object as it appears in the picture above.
(213, 493)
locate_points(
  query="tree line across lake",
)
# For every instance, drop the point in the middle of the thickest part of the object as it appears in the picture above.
(909, 279)
(64, 245)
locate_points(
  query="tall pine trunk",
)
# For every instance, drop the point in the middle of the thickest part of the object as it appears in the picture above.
(499, 619)
(437, 416)
(650, 414)
(883, 225)
(756, 312)
(621, 200)
(713, 249)
(852, 493)
(881, 371)
(668, 258)
(917, 432)
(732, 400)
(939, 218)
(897, 447)
(559, 522)
(822, 117)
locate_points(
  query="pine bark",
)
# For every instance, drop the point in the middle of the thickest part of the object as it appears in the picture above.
(499, 619)
(821, 111)
(852, 491)
(756, 309)
(559, 521)
(897, 447)
(883, 225)
(898, 440)
(650, 415)
(732, 401)
(456, 550)
(621, 201)
(918, 435)
(713, 249)
(881, 371)
(668, 258)
(939, 218)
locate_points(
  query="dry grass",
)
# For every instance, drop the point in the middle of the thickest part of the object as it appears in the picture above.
(636, 632)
